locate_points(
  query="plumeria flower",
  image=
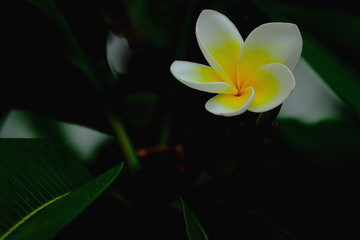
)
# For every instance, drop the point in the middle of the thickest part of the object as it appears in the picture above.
(254, 75)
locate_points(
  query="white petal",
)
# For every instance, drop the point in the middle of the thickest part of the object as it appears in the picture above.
(220, 43)
(200, 77)
(272, 83)
(270, 43)
(230, 105)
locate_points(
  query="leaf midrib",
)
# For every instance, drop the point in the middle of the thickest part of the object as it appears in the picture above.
(23, 220)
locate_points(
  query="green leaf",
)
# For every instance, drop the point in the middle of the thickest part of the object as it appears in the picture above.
(231, 221)
(84, 45)
(194, 229)
(329, 44)
(40, 192)
(328, 142)
(331, 68)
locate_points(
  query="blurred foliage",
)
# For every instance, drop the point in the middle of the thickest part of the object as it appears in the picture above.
(328, 142)
(46, 81)
(300, 175)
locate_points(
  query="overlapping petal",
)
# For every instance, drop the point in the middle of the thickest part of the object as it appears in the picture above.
(220, 43)
(272, 83)
(200, 77)
(231, 105)
(255, 75)
(269, 43)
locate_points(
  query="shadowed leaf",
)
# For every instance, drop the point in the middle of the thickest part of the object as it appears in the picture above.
(194, 229)
(40, 192)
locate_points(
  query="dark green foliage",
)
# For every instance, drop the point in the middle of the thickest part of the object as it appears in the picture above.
(41, 192)
(235, 174)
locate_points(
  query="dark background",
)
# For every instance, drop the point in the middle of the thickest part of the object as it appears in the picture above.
(242, 181)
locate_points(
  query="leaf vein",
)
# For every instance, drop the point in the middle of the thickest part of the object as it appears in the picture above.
(30, 215)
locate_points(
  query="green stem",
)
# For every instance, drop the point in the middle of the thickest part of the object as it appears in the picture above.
(125, 143)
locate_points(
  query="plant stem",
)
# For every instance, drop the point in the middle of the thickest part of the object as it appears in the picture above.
(125, 143)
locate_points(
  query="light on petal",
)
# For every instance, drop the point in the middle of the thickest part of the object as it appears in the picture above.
(254, 75)
(270, 43)
(272, 83)
(220, 43)
(230, 105)
(200, 77)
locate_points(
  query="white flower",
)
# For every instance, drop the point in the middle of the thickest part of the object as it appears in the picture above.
(254, 75)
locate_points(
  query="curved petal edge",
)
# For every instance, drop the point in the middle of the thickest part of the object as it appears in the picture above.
(272, 83)
(220, 42)
(230, 105)
(274, 42)
(200, 77)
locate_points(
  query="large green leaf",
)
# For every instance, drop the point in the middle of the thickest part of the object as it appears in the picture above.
(330, 44)
(40, 192)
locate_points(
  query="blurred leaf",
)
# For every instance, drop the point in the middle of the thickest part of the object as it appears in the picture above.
(85, 37)
(40, 74)
(330, 44)
(140, 108)
(327, 142)
(40, 192)
(160, 21)
(332, 69)
(229, 220)
(194, 229)
(268, 228)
